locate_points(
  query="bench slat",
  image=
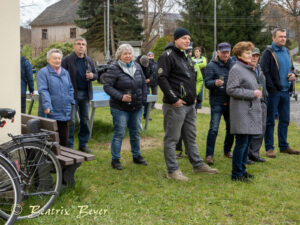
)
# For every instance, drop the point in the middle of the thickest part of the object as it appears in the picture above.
(46, 123)
(87, 157)
(76, 158)
(65, 161)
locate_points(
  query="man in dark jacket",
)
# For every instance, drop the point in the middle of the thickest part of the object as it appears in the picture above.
(256, 142)
(216, 76)
(153, 72)
(279, 72)
(82, 72)
(26, 80)
(177, 80)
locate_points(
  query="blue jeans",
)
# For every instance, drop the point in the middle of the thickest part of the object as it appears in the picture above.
(82, 105)
(216, 112)
(240, 154)
(199, 99)
(146, 105)
(278, 101)
(122, 119)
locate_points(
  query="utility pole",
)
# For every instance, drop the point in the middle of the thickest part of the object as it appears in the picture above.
(107, 57)
(215, 25)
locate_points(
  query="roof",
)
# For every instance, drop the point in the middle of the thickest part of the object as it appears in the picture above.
(132, 43)
(62, 12)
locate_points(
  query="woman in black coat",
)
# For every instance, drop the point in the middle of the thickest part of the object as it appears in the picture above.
(126, 85)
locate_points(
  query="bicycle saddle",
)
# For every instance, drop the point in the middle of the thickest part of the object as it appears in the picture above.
(7, 113)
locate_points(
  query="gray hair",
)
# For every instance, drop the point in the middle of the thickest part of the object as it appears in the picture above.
(80, 39)
(123, 48)
(54, 50)
(275, 31)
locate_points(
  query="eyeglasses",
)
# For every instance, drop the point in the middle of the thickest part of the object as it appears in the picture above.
(78, 43)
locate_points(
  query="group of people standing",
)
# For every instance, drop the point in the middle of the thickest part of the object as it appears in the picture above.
(246, 93)
(65, 88)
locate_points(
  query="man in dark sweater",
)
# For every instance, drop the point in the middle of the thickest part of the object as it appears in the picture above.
(82, 72)
(177, 80)
(279, 72)
(216, 76)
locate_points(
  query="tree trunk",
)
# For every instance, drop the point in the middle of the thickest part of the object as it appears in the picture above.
(112, 38)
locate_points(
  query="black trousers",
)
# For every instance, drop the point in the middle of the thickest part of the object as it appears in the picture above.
(63, 130)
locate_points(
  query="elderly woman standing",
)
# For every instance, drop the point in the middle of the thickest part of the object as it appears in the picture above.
(126, 85)
(245, 108)
(56, 93)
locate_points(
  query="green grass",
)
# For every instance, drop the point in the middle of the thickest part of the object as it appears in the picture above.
(143, 195)
(297, 87)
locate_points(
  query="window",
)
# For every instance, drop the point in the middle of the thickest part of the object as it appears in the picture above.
(44, 34)
(72, 32)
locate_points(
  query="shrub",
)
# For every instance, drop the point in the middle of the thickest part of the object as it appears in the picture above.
(41, 61)
(27, 52)
(159, 47)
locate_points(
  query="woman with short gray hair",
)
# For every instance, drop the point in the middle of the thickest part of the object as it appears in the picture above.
(125, 84)
(55, 93)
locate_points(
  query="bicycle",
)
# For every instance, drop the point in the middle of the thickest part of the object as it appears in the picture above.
(39, 170)
(10, 189)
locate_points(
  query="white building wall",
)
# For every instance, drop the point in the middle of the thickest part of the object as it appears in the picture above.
(10, 90)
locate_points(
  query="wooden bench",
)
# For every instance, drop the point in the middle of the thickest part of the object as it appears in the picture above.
(69, 159)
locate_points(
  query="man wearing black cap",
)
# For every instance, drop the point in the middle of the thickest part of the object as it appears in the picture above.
(177, 80)
(216, 76)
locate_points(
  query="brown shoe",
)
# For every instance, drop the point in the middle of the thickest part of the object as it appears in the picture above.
(209, 160)
(205, 169)
(178, 176)
(290, 151)
(228, 154)
(270, 153)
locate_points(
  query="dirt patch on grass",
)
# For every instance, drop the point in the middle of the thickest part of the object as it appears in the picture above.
(145, 142)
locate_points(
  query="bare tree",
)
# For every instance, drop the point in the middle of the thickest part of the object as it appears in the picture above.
(292, 11)
(153, 11)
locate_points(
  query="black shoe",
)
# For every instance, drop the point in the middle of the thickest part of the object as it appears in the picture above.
(250, 162)
(256, 158)
(140, 160)
(179, 155)
(115, 163)
(241, 179)
(85, 149)
(248, 175)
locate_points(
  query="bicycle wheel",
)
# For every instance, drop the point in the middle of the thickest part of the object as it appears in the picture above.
(41, 177)
(10, 194)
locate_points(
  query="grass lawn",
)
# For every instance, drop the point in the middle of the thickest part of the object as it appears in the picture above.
(143, 195)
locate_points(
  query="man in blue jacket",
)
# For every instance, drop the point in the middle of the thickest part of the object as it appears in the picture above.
(216, 76)
(278, 69)
(82, 72)
(26, 80)
(177, 80)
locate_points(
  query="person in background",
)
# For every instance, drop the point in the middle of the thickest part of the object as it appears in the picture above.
(26, 80)
(256, 143)
(278, 69)
(216, 76)
(125, 84)
(200, 64)
(56, 93)
(143, 61)
(82, 72)
(153, 71)
(245, 108)
(177, 80)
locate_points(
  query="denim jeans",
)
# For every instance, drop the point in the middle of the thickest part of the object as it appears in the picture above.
(146, 105)
(82, 105)
(240, 154)
(278, 101)
(199, 99)
(121, 120)
(216, 112)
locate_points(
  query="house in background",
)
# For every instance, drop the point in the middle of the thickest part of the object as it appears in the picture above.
(25, 36)
(56, 24)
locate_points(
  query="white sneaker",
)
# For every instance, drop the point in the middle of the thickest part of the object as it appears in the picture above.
(205, 169)
(177, 175)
